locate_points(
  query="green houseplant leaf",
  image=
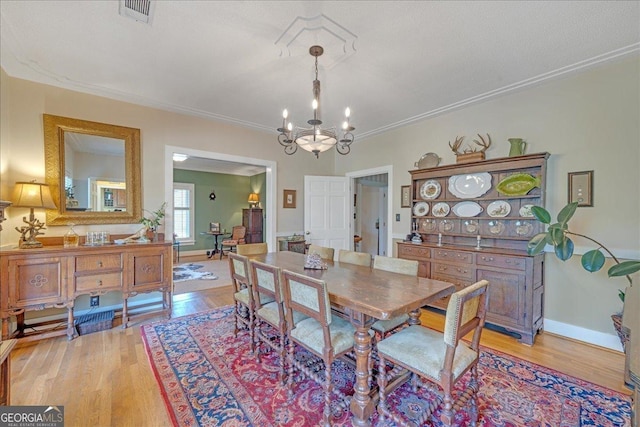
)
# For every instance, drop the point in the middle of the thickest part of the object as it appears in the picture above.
(557, 236)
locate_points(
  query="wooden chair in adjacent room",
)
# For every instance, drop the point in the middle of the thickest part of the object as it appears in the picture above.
(323, 334)
(298, 246)
(440, 358)
(238, 233)
(269, 317)
(324, 252)
(357, 258)
(394, 265)
(243, 295)
(249, 249)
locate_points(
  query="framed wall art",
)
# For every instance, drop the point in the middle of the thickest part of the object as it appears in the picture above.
(289, 199)
(405, 196)
(581, 188)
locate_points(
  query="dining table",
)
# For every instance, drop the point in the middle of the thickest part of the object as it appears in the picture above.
(365, 295)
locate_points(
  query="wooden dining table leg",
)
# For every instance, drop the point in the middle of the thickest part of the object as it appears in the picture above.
(362, 406)
(414, 317)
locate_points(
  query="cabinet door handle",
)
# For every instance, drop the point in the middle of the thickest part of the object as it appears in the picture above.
(487, 259)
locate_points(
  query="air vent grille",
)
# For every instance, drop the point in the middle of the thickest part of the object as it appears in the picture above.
(140, 10)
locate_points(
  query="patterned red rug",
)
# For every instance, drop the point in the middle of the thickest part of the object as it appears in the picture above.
(209, 378)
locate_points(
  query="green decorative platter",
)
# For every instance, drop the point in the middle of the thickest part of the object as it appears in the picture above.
(518, 184)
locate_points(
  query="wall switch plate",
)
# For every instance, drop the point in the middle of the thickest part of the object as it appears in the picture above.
(397, 217)
(94, 301)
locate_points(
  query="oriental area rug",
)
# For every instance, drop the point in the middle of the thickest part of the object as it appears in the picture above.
(208, 377)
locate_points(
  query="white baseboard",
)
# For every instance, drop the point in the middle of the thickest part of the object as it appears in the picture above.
(578, 333)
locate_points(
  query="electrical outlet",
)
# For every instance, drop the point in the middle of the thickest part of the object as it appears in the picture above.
(94, 301)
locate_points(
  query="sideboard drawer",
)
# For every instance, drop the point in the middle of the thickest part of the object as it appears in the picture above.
(459, 271)
(415, 251)
(98, 262)
(512, 263)
(456, 256)
(99, 281)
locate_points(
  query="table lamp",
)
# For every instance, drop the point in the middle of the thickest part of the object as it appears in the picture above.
(31, 195)
(253, 200)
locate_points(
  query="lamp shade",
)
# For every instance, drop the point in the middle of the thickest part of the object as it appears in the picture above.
(32, 195)
(253, 198)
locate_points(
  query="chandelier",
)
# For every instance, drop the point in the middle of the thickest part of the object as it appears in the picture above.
(315, 139)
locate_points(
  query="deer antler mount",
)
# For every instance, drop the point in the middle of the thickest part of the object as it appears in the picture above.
(470, 153)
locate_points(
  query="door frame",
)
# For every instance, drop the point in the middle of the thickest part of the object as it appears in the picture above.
(271, 170)
(388, 169)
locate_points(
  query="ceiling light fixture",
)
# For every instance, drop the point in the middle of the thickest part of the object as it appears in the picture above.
(315, 139)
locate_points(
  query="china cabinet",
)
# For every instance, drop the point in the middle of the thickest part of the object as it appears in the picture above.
(474, 222)
(54, 276)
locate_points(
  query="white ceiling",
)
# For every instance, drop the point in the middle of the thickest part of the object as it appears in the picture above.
(392, 62)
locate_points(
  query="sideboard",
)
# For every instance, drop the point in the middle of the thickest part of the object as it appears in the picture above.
(54, 276)
(474, 221)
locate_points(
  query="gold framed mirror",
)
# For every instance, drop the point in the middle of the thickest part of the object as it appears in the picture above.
(93, 170)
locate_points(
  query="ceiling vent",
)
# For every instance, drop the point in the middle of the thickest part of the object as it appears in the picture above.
(140, 10)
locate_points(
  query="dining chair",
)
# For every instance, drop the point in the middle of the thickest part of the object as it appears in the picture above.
(298, 246)
(394, 265)
(243, 295)
(439, 357)
(324, 252)
(266, 281)
(238, 232)
(323, 334)
(249, 249)
(357, 258)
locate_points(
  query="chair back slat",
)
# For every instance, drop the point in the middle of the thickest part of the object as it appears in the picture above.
(323, 251)
(466, 311)
(239, 271)
(357, 258)
(306, 295)
(252, 249)
(396, 265)
(266, 281)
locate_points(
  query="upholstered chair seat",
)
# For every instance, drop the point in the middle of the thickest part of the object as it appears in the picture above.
(310, 332)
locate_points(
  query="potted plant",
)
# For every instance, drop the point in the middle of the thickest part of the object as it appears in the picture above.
(153, 222)
(558, 236)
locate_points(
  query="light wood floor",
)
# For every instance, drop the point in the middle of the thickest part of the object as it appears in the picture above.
(104, 378)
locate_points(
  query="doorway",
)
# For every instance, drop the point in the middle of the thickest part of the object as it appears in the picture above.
(371, 216)
(270, 198)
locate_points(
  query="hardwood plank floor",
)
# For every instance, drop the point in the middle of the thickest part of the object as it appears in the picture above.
(104, 378)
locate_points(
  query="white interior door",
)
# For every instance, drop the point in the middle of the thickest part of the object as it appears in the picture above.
(326, 211)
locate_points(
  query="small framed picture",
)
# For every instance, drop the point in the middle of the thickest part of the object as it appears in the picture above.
(405, 196)
(289, 199)
(581, 188)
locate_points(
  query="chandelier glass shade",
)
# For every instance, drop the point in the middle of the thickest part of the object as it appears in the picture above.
(315, 139)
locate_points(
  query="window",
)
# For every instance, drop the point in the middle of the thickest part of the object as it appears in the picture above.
(183, 212)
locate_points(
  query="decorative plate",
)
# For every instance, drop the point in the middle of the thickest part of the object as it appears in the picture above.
(471, 226)
(470, 186)
(446, 225)
(518, 184)
(421, 209)
(525, 211)
(440, 209)
(498, 209)
(430, 190)
(466, 209)
(523, 228)
(429, 160)
(427, 224)
(496, 227)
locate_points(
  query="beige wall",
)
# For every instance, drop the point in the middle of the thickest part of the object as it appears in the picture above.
(588, 121)
(24, 102)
